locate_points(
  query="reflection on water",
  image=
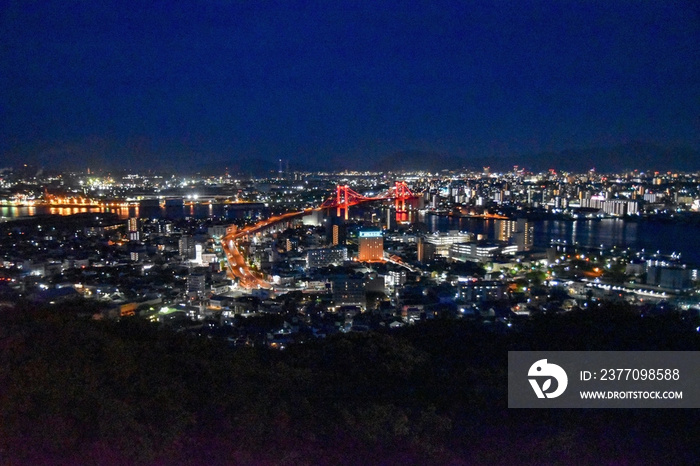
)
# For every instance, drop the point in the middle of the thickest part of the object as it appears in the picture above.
(199, 211)
(666, 238)
(31, 211)
(588, 233)
(651, 236)
(478, 226)
(73, 210)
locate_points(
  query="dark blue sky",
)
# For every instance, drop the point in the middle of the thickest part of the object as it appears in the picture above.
(163, 83)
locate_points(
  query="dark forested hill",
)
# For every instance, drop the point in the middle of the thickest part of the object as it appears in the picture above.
(76, 391)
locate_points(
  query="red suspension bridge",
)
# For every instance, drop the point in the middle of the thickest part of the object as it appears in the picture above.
(346, 197)
(342, 200)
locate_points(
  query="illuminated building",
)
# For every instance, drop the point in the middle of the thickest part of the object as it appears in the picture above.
(482, 290)
(371, 246)
(620, 207)
(133, 224)
(425, 251)
(518, 232)
(196, 285)
(336, 231)
(324, 257)
(198, 253)
(336, 235)
(186, 247)
(472, 252)
(441, 242)
(505, 229)
(349, 292)
(134, 229)
(614, 207)
(395, 278)
(526, 238)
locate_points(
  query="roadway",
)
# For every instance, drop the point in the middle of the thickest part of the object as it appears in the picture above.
(238, 267)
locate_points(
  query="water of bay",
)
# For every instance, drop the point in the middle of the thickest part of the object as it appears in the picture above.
(651, 236)
(174, 212)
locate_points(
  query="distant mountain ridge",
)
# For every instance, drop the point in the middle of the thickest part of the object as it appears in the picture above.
(632, 156)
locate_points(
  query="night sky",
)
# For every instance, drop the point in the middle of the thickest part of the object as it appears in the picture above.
(168, 83)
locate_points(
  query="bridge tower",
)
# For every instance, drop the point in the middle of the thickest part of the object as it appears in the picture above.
(401, 194)
(342, 200)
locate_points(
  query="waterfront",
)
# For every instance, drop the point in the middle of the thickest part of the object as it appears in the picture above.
(665, 237)
(649, 235)
(173, 212)
(15, 212)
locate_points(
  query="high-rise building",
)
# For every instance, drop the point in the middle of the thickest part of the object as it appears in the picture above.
(371, 246)
(133, 224)
(186, 247)
(518, 232)
(505, 229)
(198, 253)
(336, 231)
(336, 235)
(620, 208)
(134, 229)
(349, 291)
(525, 238)
(425, 250)
(196, 285)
